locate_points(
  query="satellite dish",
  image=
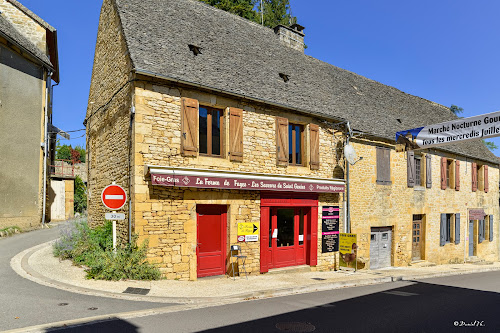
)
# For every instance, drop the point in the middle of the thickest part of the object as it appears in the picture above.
(350, 154)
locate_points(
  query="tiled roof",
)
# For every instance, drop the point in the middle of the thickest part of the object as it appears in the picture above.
(244, 58)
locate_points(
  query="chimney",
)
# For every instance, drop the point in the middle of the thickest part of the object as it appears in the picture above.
(292, 36)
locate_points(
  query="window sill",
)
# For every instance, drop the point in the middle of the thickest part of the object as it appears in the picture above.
(384, 182)
(419, 188)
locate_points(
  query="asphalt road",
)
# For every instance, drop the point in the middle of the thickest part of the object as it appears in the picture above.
(25, 303)
(445, 304)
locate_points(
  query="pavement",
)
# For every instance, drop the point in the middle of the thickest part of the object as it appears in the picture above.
(39, 265)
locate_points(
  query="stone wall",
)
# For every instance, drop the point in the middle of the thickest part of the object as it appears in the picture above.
(108, 117)
(25, 24)
(394, 205)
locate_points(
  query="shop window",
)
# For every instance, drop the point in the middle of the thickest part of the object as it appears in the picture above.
(383, 166)
(210, 129)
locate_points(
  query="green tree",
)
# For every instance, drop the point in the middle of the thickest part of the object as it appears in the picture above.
(456, 109)
(276, 12)
(243, 8)
(491, 145)
(63, 152)
(80, 200)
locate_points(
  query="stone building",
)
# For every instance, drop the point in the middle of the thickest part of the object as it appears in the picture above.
(219, 128)
(28, 65)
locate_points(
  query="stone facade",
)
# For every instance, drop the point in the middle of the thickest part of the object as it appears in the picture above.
(374, 205)
(108, 118)
(168, 217)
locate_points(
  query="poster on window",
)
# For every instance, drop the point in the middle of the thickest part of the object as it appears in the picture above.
(348, 249)
(330, 229)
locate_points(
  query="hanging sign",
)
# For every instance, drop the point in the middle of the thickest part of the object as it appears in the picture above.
(330, 229)
(464, 129)
(348, 249)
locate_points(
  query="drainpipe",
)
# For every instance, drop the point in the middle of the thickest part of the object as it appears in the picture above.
(130, 141)
(45, 147)
(348, 206)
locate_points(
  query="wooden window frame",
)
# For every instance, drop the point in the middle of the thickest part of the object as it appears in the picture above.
(291, 150)
(209, 131)
(480, 177)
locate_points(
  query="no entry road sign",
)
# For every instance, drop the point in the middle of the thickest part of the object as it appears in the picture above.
(113, 197)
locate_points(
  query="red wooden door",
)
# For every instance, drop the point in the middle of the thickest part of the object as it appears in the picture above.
(211, 237)
(288, 236)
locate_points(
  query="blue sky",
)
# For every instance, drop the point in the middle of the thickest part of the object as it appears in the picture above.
(445, 51)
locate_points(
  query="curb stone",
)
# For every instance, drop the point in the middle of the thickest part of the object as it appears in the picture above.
(21, 265)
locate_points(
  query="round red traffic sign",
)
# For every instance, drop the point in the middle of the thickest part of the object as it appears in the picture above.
(113, 197)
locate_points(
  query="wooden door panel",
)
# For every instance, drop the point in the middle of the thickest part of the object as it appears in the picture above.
(211, 239)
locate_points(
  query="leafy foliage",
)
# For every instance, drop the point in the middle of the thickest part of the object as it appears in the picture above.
(456, 109)
(490, 145)
(65, 152)
(80, 201)
(243, 8)
(275, 11)
(93, 248)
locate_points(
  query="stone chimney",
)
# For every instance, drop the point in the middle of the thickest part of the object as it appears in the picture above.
(291, 36)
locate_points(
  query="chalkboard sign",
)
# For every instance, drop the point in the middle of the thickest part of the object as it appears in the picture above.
(330, 229)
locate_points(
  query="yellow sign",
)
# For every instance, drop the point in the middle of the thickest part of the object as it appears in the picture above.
(348, 250)
(248, 229)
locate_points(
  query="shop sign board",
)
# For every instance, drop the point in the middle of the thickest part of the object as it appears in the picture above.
(242, 183)
(248, 232)
(348, 249)
(476, 214)
(330, 228)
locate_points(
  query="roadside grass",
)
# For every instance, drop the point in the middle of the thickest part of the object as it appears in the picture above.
(9, 231)
(93, 249)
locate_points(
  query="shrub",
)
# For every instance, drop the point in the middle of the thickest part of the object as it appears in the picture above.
(93, 248)
(80, 202)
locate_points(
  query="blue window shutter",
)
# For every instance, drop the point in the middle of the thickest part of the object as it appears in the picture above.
(480, 231)
(457, 228)
(491, 228)
(442, 234)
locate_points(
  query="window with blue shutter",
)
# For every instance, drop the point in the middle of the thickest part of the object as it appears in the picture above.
(491, 228)
(480, 237)
(457, 228)
(442, 233)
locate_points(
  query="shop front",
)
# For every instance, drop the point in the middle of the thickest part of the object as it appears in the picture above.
(273, 218)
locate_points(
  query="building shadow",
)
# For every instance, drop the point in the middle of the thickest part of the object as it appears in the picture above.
(109, 325)
(420, 307)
